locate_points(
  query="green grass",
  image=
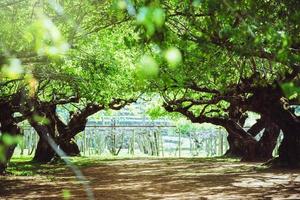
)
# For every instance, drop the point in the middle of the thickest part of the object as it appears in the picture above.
(23, 166)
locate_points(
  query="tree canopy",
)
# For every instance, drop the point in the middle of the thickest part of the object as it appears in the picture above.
(211, 61)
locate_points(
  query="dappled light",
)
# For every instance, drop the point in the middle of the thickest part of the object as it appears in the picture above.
(164, 179)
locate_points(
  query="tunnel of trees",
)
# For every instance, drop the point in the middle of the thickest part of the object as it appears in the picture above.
(208, 61)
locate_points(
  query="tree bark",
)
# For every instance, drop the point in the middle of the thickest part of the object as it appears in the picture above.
(289, 150)
(270, 102)
(70, 147)
(267, 143)
(241, 144)
(246, 147)
(10, 127)
(236, 148)
(44, 152)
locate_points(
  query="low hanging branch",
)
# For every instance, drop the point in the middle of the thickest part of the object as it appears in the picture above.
(63, 133)
(242, 143)
(79, 119)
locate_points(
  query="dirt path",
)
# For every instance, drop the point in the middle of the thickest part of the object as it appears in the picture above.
(162, 179)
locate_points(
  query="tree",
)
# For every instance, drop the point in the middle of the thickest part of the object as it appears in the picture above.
(45, 60)
(235, 53)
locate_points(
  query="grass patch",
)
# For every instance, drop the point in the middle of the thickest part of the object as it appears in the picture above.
(23, 166)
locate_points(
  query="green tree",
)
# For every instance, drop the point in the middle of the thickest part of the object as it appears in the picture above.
(233, 53)
(60, 56)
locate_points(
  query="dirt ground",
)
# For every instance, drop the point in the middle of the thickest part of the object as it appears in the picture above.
(160, 179)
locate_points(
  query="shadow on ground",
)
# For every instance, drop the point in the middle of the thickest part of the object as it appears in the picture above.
(161, 179)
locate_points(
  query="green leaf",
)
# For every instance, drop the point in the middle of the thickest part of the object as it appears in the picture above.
(41, 120)
(8, 139)
(148, 67)
(11, 139)
(66, 194)
(173, 57)
(290, 90)
(158, 16)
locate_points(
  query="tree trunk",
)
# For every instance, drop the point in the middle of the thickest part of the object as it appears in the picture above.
(270, 102)
(267, 143)
(289, 150)
(241, 144)
(10, 127)
(236, 149)
(8, 153)
(242, 148)
(246, 147)
(58, 131)
(70, 147)
(44, 152)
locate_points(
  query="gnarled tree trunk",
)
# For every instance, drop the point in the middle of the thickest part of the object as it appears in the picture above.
(70, 147)
(289, 149)
(270, 102)
(267, 143)
(236, 147)
(243, 144)
(63, 134)
(8, 126)
(44, 152)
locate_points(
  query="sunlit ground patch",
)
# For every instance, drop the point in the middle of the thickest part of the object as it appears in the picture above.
(150, 178)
